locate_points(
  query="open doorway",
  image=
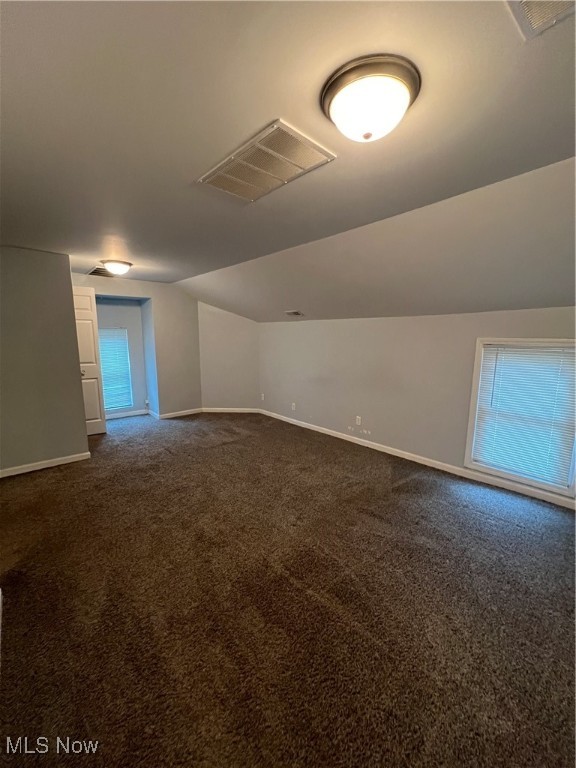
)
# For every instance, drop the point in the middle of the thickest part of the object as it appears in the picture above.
(122, 356)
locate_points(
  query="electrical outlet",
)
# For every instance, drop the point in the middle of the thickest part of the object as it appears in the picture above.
(358, 420)
(293, 406)
(262, 396)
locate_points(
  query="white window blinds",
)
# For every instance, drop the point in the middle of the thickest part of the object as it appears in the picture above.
(525, 412)
(115, 362)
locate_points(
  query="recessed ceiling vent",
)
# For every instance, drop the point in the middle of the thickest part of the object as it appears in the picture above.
(101, 272)
(294, 313)
(536, 16)
(275, 156)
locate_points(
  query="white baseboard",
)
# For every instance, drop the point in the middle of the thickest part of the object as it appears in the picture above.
(126, 415)
(469, 474)
(231, 410)
(176, 414)
(202, 410)
(9, 471)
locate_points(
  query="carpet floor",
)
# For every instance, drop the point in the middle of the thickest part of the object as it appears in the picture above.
(231, 591)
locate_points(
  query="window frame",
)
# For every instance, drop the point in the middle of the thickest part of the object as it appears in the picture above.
(476, 466)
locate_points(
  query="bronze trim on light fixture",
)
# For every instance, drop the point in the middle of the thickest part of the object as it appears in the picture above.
(383, 64)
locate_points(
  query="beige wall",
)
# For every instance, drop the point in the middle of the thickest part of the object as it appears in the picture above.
(42, 410)
(170, 323)
(229, 359)
(408, 378)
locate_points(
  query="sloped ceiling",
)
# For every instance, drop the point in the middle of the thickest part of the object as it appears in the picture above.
(506, 246)
(110, 111)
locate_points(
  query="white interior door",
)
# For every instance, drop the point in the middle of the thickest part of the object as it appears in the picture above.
(87, 332)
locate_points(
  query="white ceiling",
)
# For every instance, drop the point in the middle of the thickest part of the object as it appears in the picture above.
(506, 246)
(112, 110)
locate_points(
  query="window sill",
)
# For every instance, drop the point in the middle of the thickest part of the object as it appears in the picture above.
(520, 480)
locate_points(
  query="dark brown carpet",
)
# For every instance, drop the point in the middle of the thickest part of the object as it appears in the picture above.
(227, 591)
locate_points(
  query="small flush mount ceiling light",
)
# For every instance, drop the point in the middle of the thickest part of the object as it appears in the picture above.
(369, 96)
(115, 250)
(116, 267)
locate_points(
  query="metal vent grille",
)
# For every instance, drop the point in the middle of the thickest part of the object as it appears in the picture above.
(101, 272)
(275, 156)
(536, 16)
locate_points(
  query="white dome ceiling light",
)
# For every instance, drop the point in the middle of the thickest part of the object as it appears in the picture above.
(115, 250)
(116, 267)
(368, 97)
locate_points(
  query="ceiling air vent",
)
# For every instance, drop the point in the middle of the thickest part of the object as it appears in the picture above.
(294, 313)
(536, 16)
(275, 156)
(101, 272)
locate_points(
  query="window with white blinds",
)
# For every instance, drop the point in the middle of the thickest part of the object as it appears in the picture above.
(524, 423)
(115, 362)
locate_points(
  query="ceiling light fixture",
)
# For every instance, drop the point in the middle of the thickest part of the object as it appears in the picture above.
(367, 97)
(116, 267)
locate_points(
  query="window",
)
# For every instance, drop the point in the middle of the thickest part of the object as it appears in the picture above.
(522, 412)
(115, 361)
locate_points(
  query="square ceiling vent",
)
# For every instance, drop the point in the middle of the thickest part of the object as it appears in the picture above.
(536, 16)
(275, 156)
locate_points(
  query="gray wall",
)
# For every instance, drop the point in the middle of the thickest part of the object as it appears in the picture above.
(42, 410)
(171, 318)
(409, 378)
(127, 313)
(229, 359)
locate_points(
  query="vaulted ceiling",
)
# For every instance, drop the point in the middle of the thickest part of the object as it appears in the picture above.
(110, 111)
(509, 245)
